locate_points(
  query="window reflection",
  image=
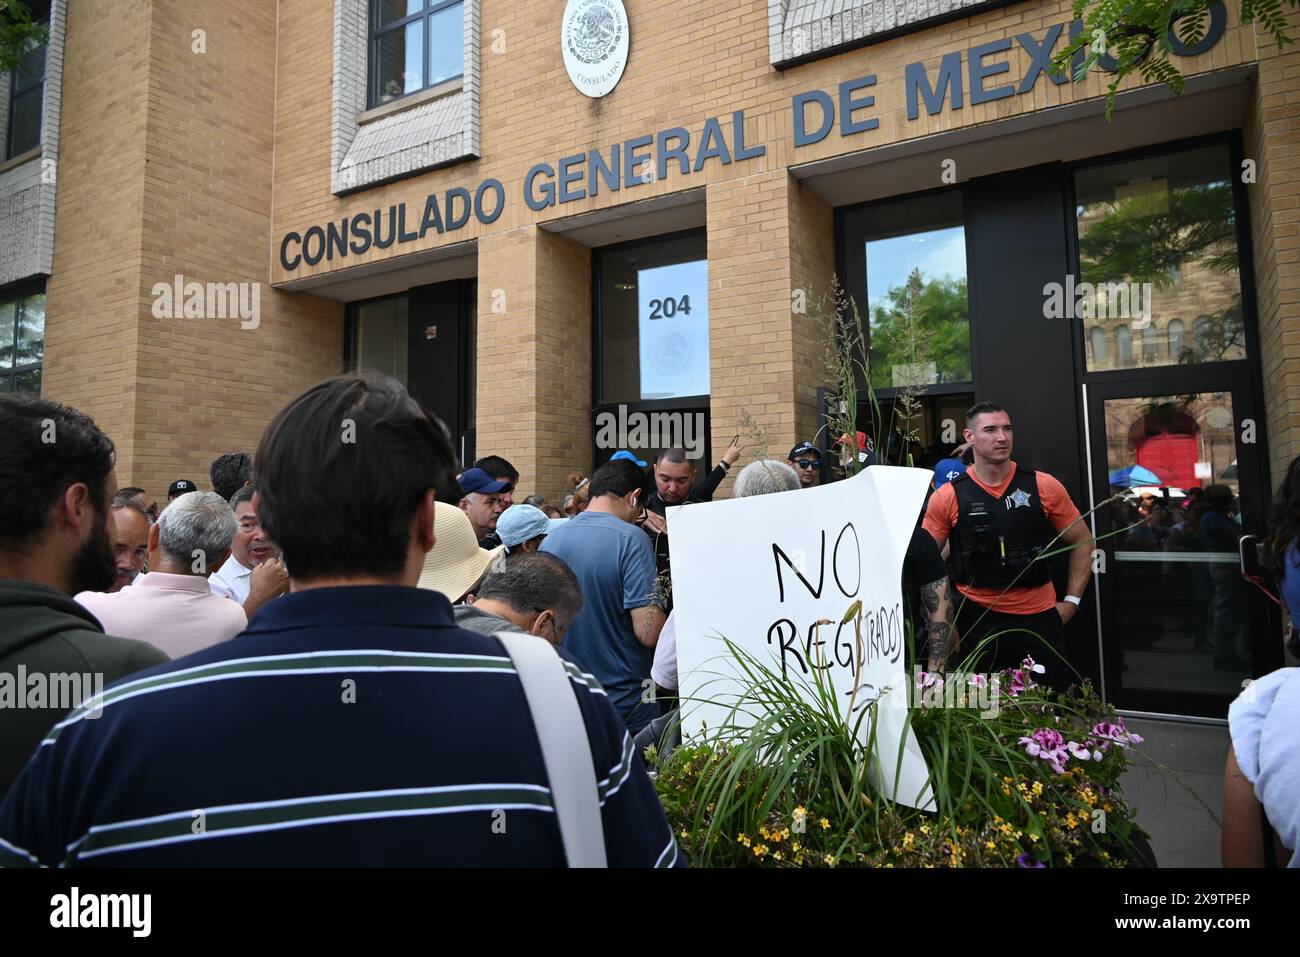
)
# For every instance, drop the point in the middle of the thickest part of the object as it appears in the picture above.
(917, 303)
(1157, 241)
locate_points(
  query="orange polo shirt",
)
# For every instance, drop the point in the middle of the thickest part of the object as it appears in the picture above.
(941, 516)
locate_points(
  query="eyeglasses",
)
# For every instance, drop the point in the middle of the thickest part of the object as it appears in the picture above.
(808, 463)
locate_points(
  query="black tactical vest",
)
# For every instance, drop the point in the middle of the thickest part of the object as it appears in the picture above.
(995, 541)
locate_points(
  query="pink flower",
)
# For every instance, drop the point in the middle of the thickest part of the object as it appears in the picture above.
(927, 678)
(1029, 665)
(1048, 745)
(1083, 752)
(1115, 733)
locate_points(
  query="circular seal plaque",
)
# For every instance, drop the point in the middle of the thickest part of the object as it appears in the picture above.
(594, 37)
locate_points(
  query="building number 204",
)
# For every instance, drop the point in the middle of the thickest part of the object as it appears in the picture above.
(669, 307)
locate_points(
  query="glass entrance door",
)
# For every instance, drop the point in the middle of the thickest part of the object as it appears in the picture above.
(1176, 469)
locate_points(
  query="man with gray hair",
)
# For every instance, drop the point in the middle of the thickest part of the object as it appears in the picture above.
(532, 592)
(173, 607)
(763, 477)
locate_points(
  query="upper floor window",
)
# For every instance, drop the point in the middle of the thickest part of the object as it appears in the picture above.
(27, 94)
(414, 45)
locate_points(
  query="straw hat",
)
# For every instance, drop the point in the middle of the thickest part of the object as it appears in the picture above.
(455, 562)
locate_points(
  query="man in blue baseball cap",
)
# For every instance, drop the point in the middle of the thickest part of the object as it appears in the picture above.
(522, 528)
(482, 503)
(625, 455)
(947, 470)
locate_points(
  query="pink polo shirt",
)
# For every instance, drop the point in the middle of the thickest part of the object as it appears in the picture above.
(177, 614)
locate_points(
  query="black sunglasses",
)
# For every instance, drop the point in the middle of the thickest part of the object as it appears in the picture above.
(808, 463)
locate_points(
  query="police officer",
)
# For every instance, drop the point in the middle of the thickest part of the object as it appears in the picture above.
(992, 523)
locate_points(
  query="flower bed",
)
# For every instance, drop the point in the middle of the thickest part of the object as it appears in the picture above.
(1030, 782)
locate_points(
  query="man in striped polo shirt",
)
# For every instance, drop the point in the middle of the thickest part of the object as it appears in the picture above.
(352, 723)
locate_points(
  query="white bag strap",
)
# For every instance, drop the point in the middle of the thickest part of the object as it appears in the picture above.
(566, 749)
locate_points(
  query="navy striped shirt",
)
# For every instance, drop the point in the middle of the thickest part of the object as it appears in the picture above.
(345, 726)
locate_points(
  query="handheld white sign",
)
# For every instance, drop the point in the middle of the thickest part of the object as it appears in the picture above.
(762, 571)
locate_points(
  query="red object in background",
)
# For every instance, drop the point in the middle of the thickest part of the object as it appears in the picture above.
(1172, 456)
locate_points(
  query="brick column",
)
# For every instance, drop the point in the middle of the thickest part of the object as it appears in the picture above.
(1272, 140)
(768, 236)
(533, 360)
(159, 178)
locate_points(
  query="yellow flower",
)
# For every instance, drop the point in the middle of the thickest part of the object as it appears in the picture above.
(1108, 806)
(990, 845)
(827, 859)
(745, 842)
(909, 839)
(762, 832)
(760, 850)
(825, 824)
(1071, 821)
(796, 846)
(776, 856)
(1005, 829)
(785, 833)
(925, 828)
(740, 838)
(1038, 788)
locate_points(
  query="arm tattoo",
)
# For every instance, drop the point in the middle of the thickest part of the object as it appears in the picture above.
(932, 593)
(938, 639)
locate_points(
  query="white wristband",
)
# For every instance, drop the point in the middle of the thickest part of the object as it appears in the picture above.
(1072, 599)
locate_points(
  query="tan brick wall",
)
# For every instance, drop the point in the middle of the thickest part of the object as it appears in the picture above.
(1272, 140)
(533, 362)
(675, 76)
(166, 170)
(767, 237)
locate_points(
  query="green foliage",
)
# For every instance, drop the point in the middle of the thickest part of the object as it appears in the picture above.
(18, 34)
(923, 320)
(1134, 240)
(784, 782)
(1136, 34)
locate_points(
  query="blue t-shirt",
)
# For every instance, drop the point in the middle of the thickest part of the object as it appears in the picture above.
(616, 566)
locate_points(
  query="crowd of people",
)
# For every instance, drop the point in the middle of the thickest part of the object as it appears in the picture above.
(316, 661)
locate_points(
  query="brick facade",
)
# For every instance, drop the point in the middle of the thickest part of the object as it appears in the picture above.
(174, 162)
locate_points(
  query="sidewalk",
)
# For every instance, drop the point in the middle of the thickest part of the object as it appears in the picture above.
(1182, 833)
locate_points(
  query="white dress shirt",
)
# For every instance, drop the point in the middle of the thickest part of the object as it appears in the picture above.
(232, 580)
(178, 614)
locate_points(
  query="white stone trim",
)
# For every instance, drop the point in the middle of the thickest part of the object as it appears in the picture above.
(26, 202)
(405, 141)
(798, 29)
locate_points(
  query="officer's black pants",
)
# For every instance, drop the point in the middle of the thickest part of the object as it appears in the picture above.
(1040, 636)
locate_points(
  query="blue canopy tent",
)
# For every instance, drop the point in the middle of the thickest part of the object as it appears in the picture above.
(1132, 476)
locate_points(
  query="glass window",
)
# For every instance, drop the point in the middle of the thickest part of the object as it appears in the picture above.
(1158, 238)
(653, 320)
(1150, 344)
(1097, 340)
(1175, 338)
(1175, 514)
(1124, 345)
(917, 304)
(22, 340)
(414, 44)
(27, 94)
(381, 336)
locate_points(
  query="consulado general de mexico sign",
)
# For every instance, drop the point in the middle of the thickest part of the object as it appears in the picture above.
(971, 76)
